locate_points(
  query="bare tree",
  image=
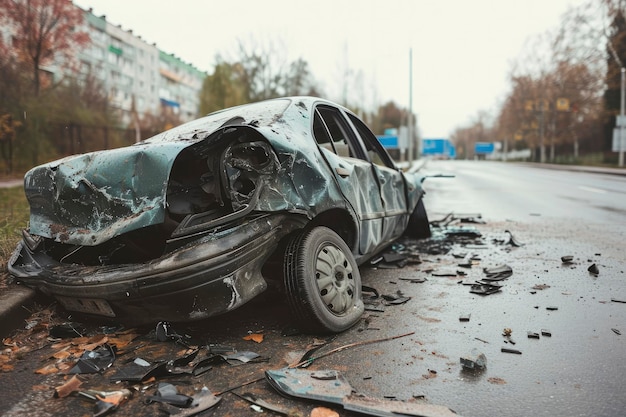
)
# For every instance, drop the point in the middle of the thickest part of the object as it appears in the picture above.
(44, 31)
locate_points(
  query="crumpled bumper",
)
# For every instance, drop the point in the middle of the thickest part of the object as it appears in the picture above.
(215, 274)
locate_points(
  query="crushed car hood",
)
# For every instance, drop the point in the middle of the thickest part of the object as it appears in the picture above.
(88, 199)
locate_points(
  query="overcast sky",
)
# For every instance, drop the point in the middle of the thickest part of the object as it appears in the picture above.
(462, 49)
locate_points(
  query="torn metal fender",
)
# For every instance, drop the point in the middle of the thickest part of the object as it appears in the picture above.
(330, 386)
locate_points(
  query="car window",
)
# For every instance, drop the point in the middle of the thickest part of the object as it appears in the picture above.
(375, 150)
(337, 129)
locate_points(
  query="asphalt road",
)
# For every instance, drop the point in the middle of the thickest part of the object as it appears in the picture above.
(578, 370)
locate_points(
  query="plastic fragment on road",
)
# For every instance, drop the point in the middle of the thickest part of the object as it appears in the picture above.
(264, 405)
(616, 300)
(512, 240)
(106, 401)
(239, 358)
(546, 333)
(395, 299)
(485, 289)
(202, 401)
(94, 361)
(497, 273)
(331, 387)
(617, 332)
(414, 280)
(509, 350)
(465, 317)
(165, 333)
(133, 372)
(168, 394)
(462, 232)
(533, 335)
(593, 269)
(552, 308)
(474, 361)
(567, 259)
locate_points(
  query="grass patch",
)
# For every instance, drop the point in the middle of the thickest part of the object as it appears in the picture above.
(14, 215)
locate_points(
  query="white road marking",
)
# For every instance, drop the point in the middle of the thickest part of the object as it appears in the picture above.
(592, 190)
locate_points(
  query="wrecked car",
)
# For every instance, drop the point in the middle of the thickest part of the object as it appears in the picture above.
(187, 224)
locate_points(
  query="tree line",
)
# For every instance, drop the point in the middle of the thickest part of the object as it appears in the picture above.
(564, 91)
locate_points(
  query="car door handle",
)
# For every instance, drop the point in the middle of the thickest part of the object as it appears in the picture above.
(342, 172)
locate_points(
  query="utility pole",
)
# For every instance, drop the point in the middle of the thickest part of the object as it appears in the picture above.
(410, 116)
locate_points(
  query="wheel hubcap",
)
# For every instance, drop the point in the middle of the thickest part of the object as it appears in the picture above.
(334, 278)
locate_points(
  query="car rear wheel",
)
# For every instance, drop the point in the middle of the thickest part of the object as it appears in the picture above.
(322, 282)
(418, 226)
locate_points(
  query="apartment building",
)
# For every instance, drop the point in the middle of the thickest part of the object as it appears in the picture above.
(137, 75)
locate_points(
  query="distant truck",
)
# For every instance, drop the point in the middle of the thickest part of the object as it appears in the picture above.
(438, 148)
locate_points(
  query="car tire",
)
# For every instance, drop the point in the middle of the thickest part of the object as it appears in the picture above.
(322, 282)
(419, 226)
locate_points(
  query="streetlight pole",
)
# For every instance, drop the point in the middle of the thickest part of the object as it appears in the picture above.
(621, 114)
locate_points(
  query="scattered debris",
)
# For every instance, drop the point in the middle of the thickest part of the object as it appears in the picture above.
(513, 241)
(311, 359)
(481, 340)
(593, 269)
(165, 333)
(508, 350)
(552, 308)
(463, 232)
(474, 361)
(330, 386)
(168, 394)
(264, 404)
(496, 380)
(615, 300)
(567, 259)
(444, 273)
(201, 401)
(533, 335)
(465, 317)
(498, 273)
(485, 289)
(95, 361)
(395, 299)
(414, 280)
(106, 401)
(540, 287)
(617, 332)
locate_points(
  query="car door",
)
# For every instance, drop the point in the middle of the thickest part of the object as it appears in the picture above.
(390, 180)
(353, 174)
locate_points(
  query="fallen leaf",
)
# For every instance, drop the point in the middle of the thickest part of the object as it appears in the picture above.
(66, 389)
(256, 337)
(47, 370)
(323, 412)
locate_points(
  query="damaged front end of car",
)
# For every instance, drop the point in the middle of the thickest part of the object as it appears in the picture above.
(164, 230)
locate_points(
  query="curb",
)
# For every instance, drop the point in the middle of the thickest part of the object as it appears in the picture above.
(14, 303)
